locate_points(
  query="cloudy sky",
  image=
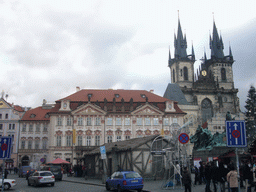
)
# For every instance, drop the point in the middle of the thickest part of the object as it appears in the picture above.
(47, 48)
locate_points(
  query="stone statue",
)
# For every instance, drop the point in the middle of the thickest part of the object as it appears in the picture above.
(229, 117)
(202, 139)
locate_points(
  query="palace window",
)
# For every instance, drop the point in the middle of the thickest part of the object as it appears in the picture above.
(68, 139)
(45, 128)
(173, 76)
(24, 127)
(37, 144)
(13, 126)
(89, 121)
(109, 121)
(59, 121)
(166, 121)
(6, 116)
(38, 128)
(30, 127)
(155, 121)
(1, 126)
(80, 121)
(118, 121)
(118, 138)
(23, 144)
(44, 144)
(127, 121)
(58, 141)
(109, 139)
(97, 122)
(139, 121)
(79, 140)
(69, 120)
(147, 121)
(97, 140)
(127, 137)
(10, 126)
(88, 140)
(29, 144)
(0, 115)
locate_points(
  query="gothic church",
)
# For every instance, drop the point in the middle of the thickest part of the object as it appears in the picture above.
(208, 93)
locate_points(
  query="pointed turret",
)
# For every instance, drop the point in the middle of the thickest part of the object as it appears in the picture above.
(230, 53)
(216, 44)
(193, 53)
(180, 44)
(169, 60)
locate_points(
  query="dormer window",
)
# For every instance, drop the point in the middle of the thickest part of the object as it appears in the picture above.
(32, 116)
(89, 95)
(47, 116)
(117, 95)
(143, 95)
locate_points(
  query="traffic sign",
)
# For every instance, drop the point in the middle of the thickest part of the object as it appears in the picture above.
(5, 147)
(103, 152)
(236, 134)
(183, 138)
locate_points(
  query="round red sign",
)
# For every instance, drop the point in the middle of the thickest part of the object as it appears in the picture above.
(183, 138)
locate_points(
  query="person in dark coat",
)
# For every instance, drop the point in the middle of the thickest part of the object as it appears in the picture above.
(186, 179)
(208, 177)
(197, 179)
(247, 175)
(215, 178)
(201, 173)
(222, 176)
(6, 173)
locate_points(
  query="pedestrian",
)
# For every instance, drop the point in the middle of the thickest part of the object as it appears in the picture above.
(6, 173)
(248, 176)
(208, 177)
(201, 173)
(196, 175)
(222, 175)
(232, 178)
(177, 174)
(214, 173)
(186, 179)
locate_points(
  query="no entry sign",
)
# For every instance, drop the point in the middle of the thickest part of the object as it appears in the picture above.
(183, 138)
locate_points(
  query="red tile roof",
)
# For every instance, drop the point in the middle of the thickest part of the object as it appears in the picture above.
(36, 114)
(98, 95)
(109, 94)
(18, 108)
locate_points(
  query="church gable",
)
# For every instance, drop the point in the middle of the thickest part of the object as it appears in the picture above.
(88, 109)
(4, 104)
(147, 110)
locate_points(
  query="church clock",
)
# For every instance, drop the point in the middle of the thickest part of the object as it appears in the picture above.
(204, 73)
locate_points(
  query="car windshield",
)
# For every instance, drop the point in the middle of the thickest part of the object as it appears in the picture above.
(45, 174)
(132, 175)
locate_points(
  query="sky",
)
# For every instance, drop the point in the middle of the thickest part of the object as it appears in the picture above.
(48, 48)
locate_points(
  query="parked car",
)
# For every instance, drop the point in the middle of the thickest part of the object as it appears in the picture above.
(8, 183)
(125, 180)
(30, 172)
(55, 169)
(41, 177)
(23, 170)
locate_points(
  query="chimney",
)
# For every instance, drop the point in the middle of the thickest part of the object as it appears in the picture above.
(151, 91)
(77, 89)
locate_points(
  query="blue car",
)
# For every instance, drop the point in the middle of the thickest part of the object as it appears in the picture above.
(125, 180)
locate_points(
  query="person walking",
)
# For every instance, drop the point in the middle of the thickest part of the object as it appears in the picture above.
(6, 173)
(248, 176)
(232, 178)
(222, 176)
(196, 175)
(186, 179)
(201, 173)
(215, 178)
(208, 177)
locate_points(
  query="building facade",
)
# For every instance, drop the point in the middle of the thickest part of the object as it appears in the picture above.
(34, 130)
(207, 94)
(89, 118)
(10, 115)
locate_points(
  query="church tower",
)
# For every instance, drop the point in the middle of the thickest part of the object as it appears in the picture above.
(182, 65)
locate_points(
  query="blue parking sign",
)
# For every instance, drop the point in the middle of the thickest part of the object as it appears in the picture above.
(236, 134)
(5, 147)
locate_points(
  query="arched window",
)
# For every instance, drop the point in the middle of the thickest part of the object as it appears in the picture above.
(206, 110)
(181, 72)
(185, 73)
(223, 74)
(173, 76)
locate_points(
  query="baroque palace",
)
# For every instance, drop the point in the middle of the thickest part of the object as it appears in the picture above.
(89, 118)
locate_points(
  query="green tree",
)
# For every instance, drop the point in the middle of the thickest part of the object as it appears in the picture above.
(250, 114)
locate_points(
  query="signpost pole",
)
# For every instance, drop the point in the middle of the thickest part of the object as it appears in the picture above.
(3, 173)
(237, 165)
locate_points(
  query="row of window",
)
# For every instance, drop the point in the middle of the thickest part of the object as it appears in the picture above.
(31, 127)
(127, 121)
(11, 126)
(6, 116)
(29, 144)
(88, 140)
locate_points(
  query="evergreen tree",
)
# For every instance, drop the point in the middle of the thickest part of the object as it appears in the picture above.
(250, 114)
